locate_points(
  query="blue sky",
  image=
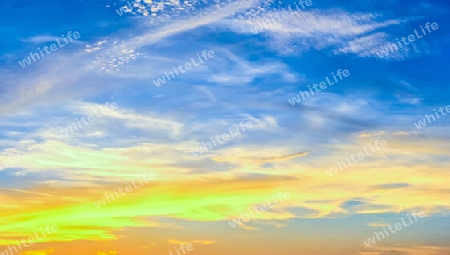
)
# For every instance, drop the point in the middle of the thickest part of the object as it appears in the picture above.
(250, 78)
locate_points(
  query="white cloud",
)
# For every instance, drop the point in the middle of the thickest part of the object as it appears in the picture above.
(300, 31)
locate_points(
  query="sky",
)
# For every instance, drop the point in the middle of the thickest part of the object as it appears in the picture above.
(224, 127)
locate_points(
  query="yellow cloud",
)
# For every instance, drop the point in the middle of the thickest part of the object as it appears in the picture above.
(193, 241)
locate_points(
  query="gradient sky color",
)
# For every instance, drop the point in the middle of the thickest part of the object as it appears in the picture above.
(49, 179)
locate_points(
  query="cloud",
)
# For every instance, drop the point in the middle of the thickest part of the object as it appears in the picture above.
(377, 134)
(38, 86)
(205, 242)
(410, 250)
(341, 31)
(27, 192)
(154, 129)
(238, 71)
(278, 158)
(42, 39)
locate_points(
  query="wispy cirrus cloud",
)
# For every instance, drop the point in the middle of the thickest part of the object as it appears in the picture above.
(345, 32)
